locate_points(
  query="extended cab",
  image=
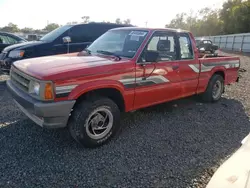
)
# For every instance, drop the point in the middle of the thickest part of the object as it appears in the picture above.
(123, 70)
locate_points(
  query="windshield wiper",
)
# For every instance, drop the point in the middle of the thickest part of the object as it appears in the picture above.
(108, 53)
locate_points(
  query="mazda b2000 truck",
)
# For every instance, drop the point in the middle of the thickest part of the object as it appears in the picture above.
(125, 69)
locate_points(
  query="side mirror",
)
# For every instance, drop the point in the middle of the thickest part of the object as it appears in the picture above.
(66, 39)
(151, 56)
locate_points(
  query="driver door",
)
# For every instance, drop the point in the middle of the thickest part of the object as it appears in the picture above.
(159, 81)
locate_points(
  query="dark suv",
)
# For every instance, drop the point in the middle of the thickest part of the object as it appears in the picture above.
(65, 39)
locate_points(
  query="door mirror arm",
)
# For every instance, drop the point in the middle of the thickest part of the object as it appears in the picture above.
(67, 40)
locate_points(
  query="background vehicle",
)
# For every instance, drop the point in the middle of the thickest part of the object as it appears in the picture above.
(123, 70)
(235, 171)
(7, 39)
(206, 46)
(66, 39)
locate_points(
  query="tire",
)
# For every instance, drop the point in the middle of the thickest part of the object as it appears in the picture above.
(88, 119)
(209, 95)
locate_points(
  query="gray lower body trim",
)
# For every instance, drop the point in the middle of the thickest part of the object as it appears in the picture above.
(45, 114)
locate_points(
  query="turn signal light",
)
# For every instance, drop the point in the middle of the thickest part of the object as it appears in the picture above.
(21, 53)
(48, 91)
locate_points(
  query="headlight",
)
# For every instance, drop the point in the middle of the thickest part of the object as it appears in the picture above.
(34, 88)
(16, 53)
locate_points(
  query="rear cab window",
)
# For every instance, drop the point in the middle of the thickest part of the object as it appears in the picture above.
(186, 49)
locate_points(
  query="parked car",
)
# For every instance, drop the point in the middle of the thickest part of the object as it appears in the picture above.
(235, 171)
(123, 70)
(68, 38)
(7, 39)
(206, 46)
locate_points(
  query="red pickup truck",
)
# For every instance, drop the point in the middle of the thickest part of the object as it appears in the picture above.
(123, 70)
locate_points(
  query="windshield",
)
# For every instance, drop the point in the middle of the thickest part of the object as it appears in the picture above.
(55, 33)
(124, 42)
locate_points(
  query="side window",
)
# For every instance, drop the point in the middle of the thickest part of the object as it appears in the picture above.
(186, 51)
(164, 44)
(78, 34)
(95, 31)
(86, 33)
(11, 40)
(4, 39)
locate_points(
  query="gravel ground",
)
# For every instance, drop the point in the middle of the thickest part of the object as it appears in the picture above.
(178, 144)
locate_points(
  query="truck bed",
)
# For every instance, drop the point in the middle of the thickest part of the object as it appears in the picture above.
(227, 66)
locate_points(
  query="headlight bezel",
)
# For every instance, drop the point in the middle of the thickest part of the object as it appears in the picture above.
(37, 89)
(42, 90)
(16, 54)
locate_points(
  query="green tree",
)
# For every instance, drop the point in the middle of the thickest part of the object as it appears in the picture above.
(12, 28)
(179, 22)
(85, 19)
(233, 17)
(27, 30)
(236, 16)
(51, 27)
(127, 21)
(118, 21)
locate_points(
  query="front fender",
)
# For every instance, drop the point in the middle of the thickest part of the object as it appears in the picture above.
(93, 85)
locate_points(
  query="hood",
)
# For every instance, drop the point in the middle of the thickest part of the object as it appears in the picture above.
(23, 45)
(51, 67)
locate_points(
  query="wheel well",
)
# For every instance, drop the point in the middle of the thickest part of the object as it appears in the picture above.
(221, 73)
(111, 93)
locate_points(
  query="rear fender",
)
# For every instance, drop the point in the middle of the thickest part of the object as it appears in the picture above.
(206, 76)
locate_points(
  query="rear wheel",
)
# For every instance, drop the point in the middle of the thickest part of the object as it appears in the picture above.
(214, 89)
(94, 121)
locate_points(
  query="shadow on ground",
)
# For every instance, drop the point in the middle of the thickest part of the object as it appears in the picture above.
(177, 144)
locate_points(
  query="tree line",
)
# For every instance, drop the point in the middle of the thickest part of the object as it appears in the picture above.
(233, 17)
(13, 28)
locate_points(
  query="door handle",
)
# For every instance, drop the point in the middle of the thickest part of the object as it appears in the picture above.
(174, 67)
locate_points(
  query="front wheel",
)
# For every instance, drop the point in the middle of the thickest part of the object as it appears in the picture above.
(214, 89)
(94, 121)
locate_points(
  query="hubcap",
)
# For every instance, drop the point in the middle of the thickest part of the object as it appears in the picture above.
(217, 89)
(99, 123)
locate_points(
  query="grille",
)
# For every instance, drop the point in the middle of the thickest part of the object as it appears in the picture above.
(19, 80)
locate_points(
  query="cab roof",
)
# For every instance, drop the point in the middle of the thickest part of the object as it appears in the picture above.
(102, 23)
(152, 29)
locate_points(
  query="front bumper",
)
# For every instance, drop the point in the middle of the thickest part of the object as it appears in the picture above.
(45, 114)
